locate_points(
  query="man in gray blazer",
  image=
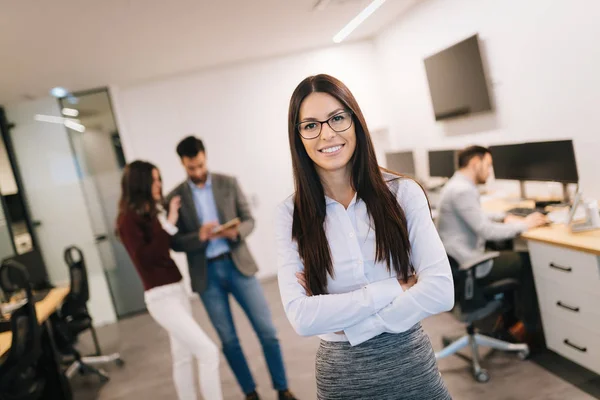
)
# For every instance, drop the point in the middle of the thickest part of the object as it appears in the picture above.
(464, 228)
(221, 264)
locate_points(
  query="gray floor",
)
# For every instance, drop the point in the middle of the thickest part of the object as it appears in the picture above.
(147, 373)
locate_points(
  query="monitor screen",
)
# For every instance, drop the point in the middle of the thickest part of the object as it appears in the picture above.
(442, 163)
(537, 161)
(401, 162)
(457, 82)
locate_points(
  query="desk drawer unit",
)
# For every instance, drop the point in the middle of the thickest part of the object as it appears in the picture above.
(568, 287)
(566, 267)
(578, 307)
(573, 342)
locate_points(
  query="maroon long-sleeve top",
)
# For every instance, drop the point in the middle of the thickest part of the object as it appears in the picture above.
(148, 246)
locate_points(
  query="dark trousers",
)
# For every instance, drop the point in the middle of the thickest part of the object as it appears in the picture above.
(517, 265)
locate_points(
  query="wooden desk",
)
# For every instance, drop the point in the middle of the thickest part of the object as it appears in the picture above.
(560, 235)
(566, 268)
(503, 205)
(555, 234)
(43, 308)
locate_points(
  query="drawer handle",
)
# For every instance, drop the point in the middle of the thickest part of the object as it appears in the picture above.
(564, 269)
(581, 349)
(561, 304)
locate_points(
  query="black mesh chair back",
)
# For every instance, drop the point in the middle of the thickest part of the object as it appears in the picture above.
(21, 376)
(14, 277)
(468, 294)
(80, 292)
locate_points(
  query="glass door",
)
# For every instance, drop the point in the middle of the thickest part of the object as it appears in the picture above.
(100, 162)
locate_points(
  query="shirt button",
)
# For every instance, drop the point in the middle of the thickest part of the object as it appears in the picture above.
(351, 234)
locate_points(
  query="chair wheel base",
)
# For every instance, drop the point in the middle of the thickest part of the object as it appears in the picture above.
(523, 355)
(481, 376)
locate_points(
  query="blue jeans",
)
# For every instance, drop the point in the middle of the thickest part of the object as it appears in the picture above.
(223, 278)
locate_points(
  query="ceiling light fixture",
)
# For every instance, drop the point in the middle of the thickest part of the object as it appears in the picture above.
(49, 118)
(70, 112)
(59, 92)
(70, 123)
(74, 125)
(356, 21)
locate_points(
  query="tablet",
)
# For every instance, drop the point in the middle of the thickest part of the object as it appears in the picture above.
(229, 224)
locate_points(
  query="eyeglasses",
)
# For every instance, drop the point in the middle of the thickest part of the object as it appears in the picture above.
(340, 122)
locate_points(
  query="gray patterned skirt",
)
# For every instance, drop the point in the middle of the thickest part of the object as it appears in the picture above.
(387, 367)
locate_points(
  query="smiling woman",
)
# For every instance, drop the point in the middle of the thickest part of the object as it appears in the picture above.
(360, 261)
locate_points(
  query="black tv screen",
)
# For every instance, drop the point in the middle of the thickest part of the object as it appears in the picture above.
(457, 83)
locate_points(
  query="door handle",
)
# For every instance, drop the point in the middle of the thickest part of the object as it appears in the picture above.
(36, 223)
(100, 238)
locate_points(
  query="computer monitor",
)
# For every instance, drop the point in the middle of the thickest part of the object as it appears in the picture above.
(536, 161)
(442, 163)
(402, 162)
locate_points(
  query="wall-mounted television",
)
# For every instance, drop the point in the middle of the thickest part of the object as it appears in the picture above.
(457, 82)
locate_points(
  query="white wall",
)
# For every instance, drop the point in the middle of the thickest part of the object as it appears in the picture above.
(55, 198)
(8, 185)
(241, 114)
(542, 60)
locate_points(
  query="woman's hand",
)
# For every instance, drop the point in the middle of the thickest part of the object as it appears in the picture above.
(302, 281)
(174, 206)
(410, 282)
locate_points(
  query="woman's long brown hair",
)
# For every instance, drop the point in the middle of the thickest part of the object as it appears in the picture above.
(388, 218)
(136, 190)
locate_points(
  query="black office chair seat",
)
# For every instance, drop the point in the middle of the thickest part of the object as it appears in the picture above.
(475, 302)
(79, 325)
(501, 286)
(74, 319)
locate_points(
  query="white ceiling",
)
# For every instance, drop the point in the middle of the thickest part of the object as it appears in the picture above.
(82, 44)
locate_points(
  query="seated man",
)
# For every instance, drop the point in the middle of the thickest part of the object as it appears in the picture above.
(464, 228)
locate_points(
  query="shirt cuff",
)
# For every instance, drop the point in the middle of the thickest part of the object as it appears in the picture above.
(520, 227)
(366, 329)
(384, 292)
(169, 228)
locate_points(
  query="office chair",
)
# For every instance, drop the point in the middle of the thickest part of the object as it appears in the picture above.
(474, 302)
(74, 319)
(21, 375)
(14, 277)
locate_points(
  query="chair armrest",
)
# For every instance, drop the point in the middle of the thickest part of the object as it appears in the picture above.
(472, 263)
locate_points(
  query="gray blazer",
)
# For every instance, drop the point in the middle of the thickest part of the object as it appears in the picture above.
(231, 203)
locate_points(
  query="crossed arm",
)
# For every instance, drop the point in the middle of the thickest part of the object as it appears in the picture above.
(379, 306)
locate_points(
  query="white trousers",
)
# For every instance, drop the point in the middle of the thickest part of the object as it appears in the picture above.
(170, 307)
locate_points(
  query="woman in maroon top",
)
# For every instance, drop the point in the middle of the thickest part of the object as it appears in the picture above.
(145, 229)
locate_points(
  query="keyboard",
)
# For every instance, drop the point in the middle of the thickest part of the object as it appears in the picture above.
(524, 211)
